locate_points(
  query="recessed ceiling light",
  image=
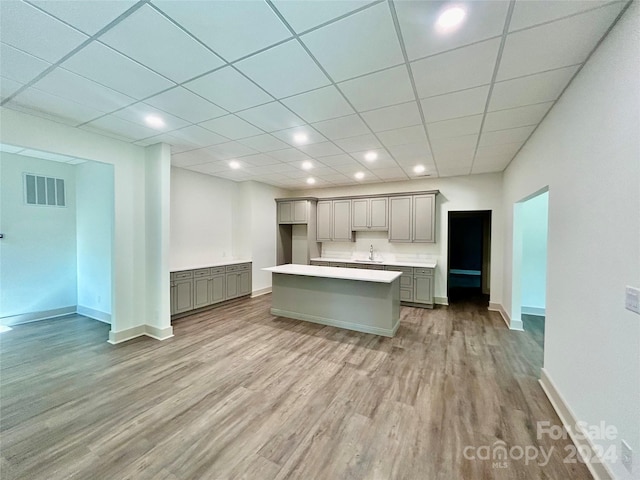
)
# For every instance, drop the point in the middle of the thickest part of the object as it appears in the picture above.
(154, 121)
(233, 164)
(307, 165)
(311, 180)
(300, 137)
(418, 168)
(370, 156)
(359, 175)
(450, 19)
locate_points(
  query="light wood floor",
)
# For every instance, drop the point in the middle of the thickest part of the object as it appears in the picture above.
(238, 393)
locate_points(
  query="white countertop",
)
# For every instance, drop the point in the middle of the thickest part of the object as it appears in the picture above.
(424, 264)
(217, 263)
(379, 276)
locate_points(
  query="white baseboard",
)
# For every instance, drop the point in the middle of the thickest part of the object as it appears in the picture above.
(512, 324)
(138, 331)
(441, 300)
(37, 316)
(596, 466)
(158, 333)
(95, 314)
(536, 311)
(262, 291)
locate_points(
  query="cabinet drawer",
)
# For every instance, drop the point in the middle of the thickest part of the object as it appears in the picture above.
(320, 264)
(218, 270)
(375, 267)
(336, 264)
(201, 272)
(184, 274)
(244, 266)
(404, 270)
(423, 272)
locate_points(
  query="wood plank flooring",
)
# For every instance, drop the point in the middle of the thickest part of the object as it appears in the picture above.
(240, 394)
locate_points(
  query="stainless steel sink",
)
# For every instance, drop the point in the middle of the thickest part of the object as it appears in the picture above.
(369, 261)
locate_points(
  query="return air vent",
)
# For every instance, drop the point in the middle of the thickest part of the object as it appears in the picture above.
(44, 191)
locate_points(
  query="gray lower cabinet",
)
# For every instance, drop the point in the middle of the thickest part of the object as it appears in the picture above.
(238, 280)
(422, 290)
(183, 296)
(217, 288)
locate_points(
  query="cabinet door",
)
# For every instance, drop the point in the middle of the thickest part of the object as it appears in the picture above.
(300, 211)
(201, 297)
(232, 285)
(244, 281)
(359, 214)
(378, 214)
(424, 218)
(323, 225)
(422, 292)
(400, 219)
(216, 289)
(342, 221)
(285, 214)
(184, 295)
(406, 295)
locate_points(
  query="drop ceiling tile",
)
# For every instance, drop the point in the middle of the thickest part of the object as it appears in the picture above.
(402, 136)
(359, 143)
(27, 28)
(536, 49)
(106, 133)
(198, 136)
(284, 70)
(210, 168)
(194, 157)
(289, 136)
(342, 127)
(231, 127)
(232, 29)
(528, 14)
(484, 19)
(225, 151)
(323, 149)
(282, 168)
(238, 175)
(452, 171)
(138, 112)
(88, 17)
(297, 173)
(359, 44)
(178, 145)
(335, 160)
(516, 117)
(455, 128)
(122, 127)
(511, 135)
(349, 169)
(379, 89)
(538, 88)
(8, 87)
(497, 166)
(289, 155)
(271, 116)
(186, 105)
(303, 15)
(411, 152)
(73, 87)
(393, 173)
(459, 69)
(19, 66)
(229, 89)
(453, 105)
(264, 143)
(321, 104)
(503, 150)
(336, 178)
(267, 173)
(394, 117)
(151, 39)
(259, 160)
(111, 69)
(52, 106)
(462, 144)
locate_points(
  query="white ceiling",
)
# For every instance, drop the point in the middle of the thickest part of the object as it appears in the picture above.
(237, 80)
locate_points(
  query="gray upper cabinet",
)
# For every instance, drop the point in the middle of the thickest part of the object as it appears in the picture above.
(412, 218)
(324, 221)
(369, 214)
(294, 211)
(342, 221)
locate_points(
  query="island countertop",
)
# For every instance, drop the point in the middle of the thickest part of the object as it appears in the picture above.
(391, 263)
(379, 276)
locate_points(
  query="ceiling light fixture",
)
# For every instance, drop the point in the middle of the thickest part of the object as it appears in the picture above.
(370, 156)
(418, 169)
(359, 175)
(307, 165)
(300, 137)
(234, 164)
(311, 180)
(154, 121)
(450, 19)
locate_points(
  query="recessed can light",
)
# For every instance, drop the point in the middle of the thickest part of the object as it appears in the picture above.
(154, 121)
(359, 175)
(307, 165)
(311, 180)
(418, 169)
(300, 137)
(450, 19)
(234, 164)
(370, 156)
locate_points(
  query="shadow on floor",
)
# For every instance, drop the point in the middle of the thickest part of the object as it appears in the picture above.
(534, 325)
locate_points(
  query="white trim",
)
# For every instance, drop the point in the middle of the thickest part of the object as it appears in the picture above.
(94, 314)
(158, 333)
(337, 323)
(138, 331)
(262, 291)
(37, 316)
(599, 469)
(512, 324)
(441, 300)
(535, 311)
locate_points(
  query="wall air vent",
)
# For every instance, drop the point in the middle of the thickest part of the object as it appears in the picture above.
(44, 191)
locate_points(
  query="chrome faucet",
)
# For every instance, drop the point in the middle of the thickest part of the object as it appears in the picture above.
(371, 253)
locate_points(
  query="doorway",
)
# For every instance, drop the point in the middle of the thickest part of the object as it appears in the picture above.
(469, 256)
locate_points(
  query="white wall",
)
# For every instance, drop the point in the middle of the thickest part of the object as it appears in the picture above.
(38, 251)
(476, 192)
(588, 153)
(94, 225)
(535, 213)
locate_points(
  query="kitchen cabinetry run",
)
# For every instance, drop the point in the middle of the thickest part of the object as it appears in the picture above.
(412, 218)
(203, 287)
(369, 214)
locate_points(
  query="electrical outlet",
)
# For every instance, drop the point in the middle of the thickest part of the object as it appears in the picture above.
(627, 459)
(632, 299)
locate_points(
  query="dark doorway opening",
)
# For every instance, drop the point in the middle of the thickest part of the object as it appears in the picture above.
(469, 256)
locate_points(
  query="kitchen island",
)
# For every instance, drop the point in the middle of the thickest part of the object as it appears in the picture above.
(361, 300)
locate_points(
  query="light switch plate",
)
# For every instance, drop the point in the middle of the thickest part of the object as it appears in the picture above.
(632, 299)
